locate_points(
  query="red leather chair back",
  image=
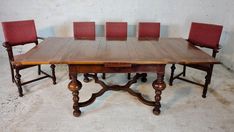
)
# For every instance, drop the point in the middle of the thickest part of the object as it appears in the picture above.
(205, 35)
(116, 30)
(84, 30)
(148, 30)
(19, 32)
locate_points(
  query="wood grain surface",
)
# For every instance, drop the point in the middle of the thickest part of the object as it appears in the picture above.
(57, 50)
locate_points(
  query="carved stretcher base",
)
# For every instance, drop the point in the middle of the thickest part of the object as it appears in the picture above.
(125, 87)
(75, 85)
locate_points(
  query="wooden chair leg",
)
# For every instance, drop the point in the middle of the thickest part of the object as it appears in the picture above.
(144, 79)
(18, 83)
(184, 71)
(12, 74)
(86, 79)
(207, 82)
(129, 76)
(211, 71)
(53, 73)
(205, 87)
(172, 74)
(103, 75)
(69, 76)
(39, 69)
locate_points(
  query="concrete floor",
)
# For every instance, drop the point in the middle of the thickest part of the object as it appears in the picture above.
(48, 107)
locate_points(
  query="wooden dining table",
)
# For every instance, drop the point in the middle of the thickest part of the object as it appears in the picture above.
(105, 56)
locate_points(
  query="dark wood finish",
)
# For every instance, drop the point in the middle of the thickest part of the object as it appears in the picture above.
(147, 31)
(103, 56)
(53, 73)
(125, 87)
(16, 79)
(14, 37)
(84, 31)
(206, 36)
(75, 86)
(115, 31)
(132, 51)
(159, 85)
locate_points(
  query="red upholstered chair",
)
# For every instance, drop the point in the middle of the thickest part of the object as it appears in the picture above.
(116, 31)
(22, 33)
(202, 35)
(84, 31)
(147, 31)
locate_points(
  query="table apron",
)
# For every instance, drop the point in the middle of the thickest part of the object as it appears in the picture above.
(81, 68)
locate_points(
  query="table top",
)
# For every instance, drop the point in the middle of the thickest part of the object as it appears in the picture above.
(57, 50)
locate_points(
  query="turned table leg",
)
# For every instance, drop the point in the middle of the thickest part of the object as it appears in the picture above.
(159, 85)
(74, 86)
